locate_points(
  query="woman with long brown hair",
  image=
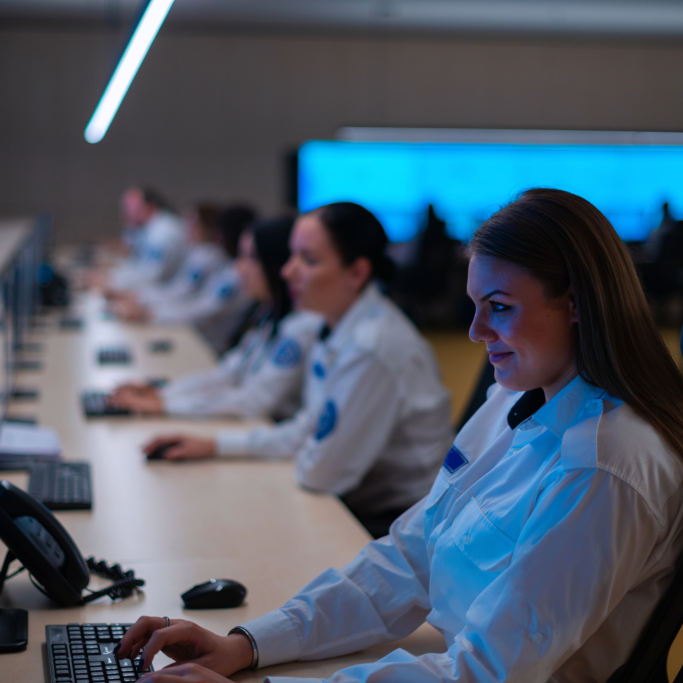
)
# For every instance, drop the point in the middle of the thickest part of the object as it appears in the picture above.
(554, 526)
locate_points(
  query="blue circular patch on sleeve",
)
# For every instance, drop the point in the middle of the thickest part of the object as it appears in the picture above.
(326, 421)
(154, 254)
(195, 275)
(287, 354)
(226, 291)
(318, 370)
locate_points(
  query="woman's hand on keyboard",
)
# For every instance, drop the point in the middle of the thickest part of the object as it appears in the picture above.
(197, 652)
(144, 400)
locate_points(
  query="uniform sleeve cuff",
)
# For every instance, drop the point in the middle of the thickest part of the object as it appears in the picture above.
(232, 443)
(173, 403)
(276, 638)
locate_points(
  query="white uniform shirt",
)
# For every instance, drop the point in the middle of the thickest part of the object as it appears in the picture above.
(261, 376)
(162, 248)
(376, 417)
(220, 295)
(540, 554)
(202, 260)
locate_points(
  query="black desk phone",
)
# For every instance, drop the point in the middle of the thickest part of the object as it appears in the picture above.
(34, 536)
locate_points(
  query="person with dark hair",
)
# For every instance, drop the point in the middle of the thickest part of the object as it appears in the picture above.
(376, 417)
(208, 267)
(555, 524)
(262, 375)
(230, 223)
(157, 245)
(205, 256)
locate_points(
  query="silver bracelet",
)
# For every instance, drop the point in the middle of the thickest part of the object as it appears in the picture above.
(244, 632)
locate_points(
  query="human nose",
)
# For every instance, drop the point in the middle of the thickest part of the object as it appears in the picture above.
(480, 330)
(287, 271)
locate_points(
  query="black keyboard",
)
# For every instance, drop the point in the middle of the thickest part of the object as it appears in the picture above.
(83, 653)
(27, 365)
(114, 355)
(97, 404)
(61, 485)
(70, 324)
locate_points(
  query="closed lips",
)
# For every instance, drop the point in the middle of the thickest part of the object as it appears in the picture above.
(495, 356)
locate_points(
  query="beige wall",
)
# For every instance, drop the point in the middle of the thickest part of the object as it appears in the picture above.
(210, 114)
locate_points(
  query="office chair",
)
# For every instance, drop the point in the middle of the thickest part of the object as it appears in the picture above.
(647, 663)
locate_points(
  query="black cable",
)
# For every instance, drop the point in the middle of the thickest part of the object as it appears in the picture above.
(120, 589)
(124, 582)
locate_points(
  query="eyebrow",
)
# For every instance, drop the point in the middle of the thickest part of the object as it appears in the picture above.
(495, 291)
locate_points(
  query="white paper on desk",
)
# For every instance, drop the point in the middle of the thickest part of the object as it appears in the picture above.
(21, 439)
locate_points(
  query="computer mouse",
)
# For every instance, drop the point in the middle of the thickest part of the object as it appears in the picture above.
(161, 346)
(158, 452)
(215, 594)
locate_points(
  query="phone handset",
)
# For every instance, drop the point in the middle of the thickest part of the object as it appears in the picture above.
(34, 536)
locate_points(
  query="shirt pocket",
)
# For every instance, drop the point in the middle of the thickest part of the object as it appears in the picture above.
(480, 541)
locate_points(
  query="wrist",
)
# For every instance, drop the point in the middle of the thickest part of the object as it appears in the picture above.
(245, 650)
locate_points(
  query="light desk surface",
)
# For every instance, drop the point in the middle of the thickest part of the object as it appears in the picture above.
(176, 524)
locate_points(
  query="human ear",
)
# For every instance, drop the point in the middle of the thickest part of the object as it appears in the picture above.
(360, 271)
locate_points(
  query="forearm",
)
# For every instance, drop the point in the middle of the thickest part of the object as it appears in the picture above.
(277, 442)
(381, 596)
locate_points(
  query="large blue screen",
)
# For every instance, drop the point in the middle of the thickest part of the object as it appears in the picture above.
(467, 182)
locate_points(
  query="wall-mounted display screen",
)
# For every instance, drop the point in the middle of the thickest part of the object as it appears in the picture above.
(467, 181)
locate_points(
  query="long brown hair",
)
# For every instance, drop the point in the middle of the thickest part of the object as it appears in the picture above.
(564, 240)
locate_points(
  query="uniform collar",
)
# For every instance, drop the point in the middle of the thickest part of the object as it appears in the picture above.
(562, 411)
(342, 333)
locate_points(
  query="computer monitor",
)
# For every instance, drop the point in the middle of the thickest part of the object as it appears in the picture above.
(6, 369)
(627, 176)
(9, 337)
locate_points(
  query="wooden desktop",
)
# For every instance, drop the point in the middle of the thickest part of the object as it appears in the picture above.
(176, 524)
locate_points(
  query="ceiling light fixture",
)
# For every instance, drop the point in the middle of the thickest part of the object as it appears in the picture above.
(135, 52)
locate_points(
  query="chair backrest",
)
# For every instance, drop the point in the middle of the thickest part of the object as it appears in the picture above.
(647, 663)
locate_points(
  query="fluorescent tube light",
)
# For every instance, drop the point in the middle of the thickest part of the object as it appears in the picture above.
(126, 69)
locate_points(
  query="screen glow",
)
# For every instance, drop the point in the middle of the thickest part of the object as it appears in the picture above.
(467, 182)
(126, 69)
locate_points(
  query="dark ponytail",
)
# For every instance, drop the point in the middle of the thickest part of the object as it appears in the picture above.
(231, 221)
(357, 233)
(271, 240)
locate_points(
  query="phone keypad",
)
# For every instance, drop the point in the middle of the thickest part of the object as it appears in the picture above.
(84, 653)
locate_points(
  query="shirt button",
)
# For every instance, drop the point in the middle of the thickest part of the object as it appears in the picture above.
(592, 405)
(466, 539)
(537, 638)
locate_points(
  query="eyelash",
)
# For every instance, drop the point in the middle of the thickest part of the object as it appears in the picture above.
(498, 308)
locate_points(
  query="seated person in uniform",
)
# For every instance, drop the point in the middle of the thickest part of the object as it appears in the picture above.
(204, 256)
(376, 417)
(157, 248)
(552, 530)
(128, 244)
(220, 307)
(262, 375)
